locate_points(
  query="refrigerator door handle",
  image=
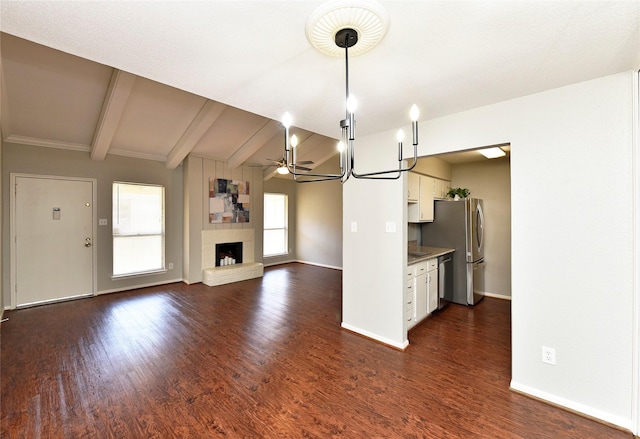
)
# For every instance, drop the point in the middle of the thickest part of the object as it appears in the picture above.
(479, 227)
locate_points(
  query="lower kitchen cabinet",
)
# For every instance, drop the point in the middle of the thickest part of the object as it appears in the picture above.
(421, 292)
(414, 288)
(432, 285)
(410, 304)
(421, 297)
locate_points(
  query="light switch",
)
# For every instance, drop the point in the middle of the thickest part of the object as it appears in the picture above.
(56, 213)
(354, 226)
(391, 227)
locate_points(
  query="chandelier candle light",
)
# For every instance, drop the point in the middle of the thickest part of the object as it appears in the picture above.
(347, 37)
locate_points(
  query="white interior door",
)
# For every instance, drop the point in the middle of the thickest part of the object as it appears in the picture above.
(53, 236)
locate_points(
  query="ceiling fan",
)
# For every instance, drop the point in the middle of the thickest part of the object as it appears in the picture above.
(280, 164)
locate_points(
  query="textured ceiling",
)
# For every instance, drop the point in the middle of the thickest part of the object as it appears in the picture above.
(234, 66)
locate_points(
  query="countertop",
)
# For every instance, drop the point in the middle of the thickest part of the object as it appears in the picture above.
(419, 254)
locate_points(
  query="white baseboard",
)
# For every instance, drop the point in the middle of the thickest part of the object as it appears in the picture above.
(573, 406)
(271, 264)
(497, 296)
(375, 337)
(135, 287)
(333, 267)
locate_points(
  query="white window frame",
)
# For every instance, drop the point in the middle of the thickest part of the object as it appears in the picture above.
(284, 228)
(116, 235)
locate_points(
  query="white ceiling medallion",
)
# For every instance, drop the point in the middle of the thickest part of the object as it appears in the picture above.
(368, 18)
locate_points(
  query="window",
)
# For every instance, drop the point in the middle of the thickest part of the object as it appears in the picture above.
(138, 229)
(275, 225)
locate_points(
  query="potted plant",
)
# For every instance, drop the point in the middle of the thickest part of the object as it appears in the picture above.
(458, 193)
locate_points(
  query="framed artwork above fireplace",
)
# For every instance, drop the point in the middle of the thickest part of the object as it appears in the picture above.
(229, 201)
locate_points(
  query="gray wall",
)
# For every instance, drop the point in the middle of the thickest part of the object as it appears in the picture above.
(48, 161)
(491, 181)
(315, 219)
(319, 213)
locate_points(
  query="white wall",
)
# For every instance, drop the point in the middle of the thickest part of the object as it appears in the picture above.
(374, 261)
(572, 239)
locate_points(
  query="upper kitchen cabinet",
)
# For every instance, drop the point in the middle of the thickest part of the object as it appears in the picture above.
(422, 210)
(440, 188)
(413, 193)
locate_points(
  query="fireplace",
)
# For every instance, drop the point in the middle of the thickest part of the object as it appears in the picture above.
(228, 253)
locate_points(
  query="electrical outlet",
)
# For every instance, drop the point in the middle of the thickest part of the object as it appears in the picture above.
(170, 265)
(548, 355)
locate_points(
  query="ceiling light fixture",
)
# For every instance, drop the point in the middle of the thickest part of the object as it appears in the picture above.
(492, 153)
(347, 24)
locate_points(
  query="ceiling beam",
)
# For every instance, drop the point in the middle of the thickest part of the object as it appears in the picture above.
(206, 117)
(320, 143)
(253, 145)
(268, 173)
(5, 132)
(113, 106)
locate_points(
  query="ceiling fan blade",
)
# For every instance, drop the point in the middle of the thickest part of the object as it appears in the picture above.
(302, 168)
(305, 162)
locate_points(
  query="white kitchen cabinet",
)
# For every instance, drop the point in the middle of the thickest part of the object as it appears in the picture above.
(421, 297)
(410, 304)
(422, 211)
(415, 293)
(432, 285)
(413, 192)
(441, 187)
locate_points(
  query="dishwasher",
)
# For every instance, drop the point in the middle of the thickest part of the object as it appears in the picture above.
(445, 280)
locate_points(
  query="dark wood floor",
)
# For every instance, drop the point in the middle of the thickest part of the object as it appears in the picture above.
(262, 358)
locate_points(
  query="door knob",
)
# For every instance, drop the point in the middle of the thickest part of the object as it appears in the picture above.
(87, 242)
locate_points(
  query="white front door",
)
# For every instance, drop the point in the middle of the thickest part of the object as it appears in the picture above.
(53, 237)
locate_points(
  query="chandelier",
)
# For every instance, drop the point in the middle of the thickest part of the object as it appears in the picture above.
(345, 38)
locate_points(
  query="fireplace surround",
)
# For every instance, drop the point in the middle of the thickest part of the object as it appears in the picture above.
(215, 274)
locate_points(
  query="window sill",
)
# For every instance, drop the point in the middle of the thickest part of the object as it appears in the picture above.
(142, 273)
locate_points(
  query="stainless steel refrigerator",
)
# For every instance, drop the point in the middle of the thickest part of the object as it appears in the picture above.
(460, 225)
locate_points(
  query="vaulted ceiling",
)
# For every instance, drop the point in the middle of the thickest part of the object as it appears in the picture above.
(161, 80)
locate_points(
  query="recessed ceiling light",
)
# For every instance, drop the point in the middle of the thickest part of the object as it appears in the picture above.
(492, 153)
